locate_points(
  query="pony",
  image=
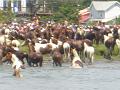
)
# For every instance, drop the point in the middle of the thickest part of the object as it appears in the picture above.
(78, 45)
(79, 35)
(16, 64)
(118, 45)
(89, 51)
(43, 48)
(57, 57)
(119, 33)
(97, 35)
(21, 55)
(4, 39)
(90, 35)
(109, 44)
(1, 54)
(34, 57)
(15, 42)
(76, 61)
(66, 50)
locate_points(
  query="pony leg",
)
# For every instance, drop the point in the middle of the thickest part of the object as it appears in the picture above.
(53, 63)
(84, 56)
(109, 54)
(69, 59)
(65, 54)
(59, 62)
(1, 62)
(40, 63)
(14, 72)
(91, 59)
(29, 61)
(17, 72)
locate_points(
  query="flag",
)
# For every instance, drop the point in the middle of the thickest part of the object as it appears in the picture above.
(84, 15)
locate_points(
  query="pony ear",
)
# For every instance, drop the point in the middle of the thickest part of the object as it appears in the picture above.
(74, 49)
(9, 53)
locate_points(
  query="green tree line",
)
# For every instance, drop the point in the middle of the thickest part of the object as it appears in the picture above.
(69, 9)
(62, 9)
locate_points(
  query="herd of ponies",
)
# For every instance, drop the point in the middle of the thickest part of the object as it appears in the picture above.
(63, 42)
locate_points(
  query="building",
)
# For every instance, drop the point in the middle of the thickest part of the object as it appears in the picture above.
(16, 5)
(104, 10)
(27, 7)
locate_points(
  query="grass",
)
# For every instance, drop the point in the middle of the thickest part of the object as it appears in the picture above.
(101, 48)
(24, 48)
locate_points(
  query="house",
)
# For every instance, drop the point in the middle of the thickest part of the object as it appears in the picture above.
(26, 7)
(104, 10)
(16, 5)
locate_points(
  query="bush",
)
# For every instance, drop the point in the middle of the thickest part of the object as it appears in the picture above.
(6, 16)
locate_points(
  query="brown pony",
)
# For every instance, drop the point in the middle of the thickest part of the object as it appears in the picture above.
(109, 44)
(78, 45)
(57, 57)
(33, 57)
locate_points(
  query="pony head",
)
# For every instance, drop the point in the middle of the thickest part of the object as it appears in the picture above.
(8, 56)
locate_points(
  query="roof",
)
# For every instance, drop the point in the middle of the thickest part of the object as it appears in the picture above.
(103, 5)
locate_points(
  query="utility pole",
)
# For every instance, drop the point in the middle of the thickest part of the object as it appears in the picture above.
(9, 5)
(44, 6)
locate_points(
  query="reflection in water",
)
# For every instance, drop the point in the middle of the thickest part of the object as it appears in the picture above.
(100, 76)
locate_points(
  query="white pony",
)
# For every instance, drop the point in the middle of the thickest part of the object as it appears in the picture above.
(16, 42)
(76, 61)
(119, 32)
(54, 46)
(5, 40)
(38, 46)
(16, 64)
(66, 48)
(118, 45)
(7, 31)
(89, 52)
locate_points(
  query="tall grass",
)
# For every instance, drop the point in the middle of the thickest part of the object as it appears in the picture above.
(99, 49)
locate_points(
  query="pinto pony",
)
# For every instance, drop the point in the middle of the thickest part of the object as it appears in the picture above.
(34, 57)
(76, 61)
(16, 64)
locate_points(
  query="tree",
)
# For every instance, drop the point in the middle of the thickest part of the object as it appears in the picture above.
(6, 15)
(69, 10)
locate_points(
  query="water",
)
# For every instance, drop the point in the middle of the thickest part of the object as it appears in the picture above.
(102, 75)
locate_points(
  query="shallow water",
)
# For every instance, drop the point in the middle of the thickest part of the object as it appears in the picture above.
(102, 75)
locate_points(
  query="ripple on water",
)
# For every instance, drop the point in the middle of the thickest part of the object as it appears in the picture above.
(99, 76)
